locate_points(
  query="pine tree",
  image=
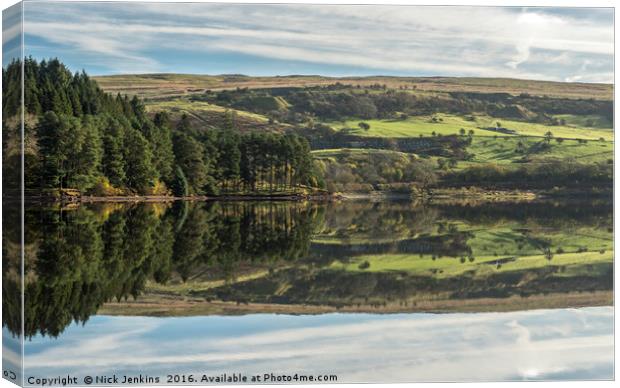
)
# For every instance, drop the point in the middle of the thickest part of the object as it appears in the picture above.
(180, 187)
(86, 156)
(139, 171)
(160, 138)
(113, 164)
(137, 108)
(189, 157)
(230, 157)
(55, 135)
(184, 125)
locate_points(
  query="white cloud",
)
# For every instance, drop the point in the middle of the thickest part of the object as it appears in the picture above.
(470, 41)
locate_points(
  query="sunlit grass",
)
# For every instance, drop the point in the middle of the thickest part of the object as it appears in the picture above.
(199, 108)
(446, 124)
(504, 150)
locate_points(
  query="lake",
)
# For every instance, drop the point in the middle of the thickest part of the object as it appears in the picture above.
(383, 291)
(539, 344)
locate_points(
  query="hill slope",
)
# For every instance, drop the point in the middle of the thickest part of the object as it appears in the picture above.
(168, 85)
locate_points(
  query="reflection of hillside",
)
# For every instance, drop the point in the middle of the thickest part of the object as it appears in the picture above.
(344, 288)
(351, 255)
(554, 214)
(162, 305)
(447, 245)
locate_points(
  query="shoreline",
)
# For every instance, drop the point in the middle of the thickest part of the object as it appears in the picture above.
(160, 305)
(440, 194)
(163, 198)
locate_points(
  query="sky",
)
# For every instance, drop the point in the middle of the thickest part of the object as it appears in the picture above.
(560, 44)
(538, 344)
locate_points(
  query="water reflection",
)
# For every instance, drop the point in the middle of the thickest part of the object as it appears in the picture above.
(538, 345)
(352, 256)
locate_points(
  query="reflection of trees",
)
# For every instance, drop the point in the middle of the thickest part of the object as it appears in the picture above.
(223, 236)
(379, 220)
(68, 274)
(451, 245)
(190, 237)
(83, 258)
(563, 215)
(83, 261)
(11, 266)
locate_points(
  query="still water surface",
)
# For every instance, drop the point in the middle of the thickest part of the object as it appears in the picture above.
(524, 289)
(539, 345)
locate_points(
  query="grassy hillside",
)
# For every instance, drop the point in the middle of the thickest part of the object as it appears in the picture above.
(503, 150)
(482, 125)
(402, 133)
(166, 85)
(201, 109)
(210, 116)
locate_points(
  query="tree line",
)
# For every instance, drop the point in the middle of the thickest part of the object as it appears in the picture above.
(544, 175)
(77, 136)
(368, 171)
(339, 102)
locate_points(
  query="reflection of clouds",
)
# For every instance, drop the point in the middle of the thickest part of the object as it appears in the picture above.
(11, 354)
(353, 330)
(11, 357)
(358, 347)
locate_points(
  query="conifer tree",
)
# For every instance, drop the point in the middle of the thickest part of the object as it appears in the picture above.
(113, 164)
(139, 171)
(189, 157)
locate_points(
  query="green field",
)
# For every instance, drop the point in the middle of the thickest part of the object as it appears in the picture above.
(563, 131)
(504, 150)
(586, 121)
(451, 125)
(411, 127)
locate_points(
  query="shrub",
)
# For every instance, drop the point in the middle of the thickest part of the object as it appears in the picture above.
(103, 188)
(159, 188)
(364, 126)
